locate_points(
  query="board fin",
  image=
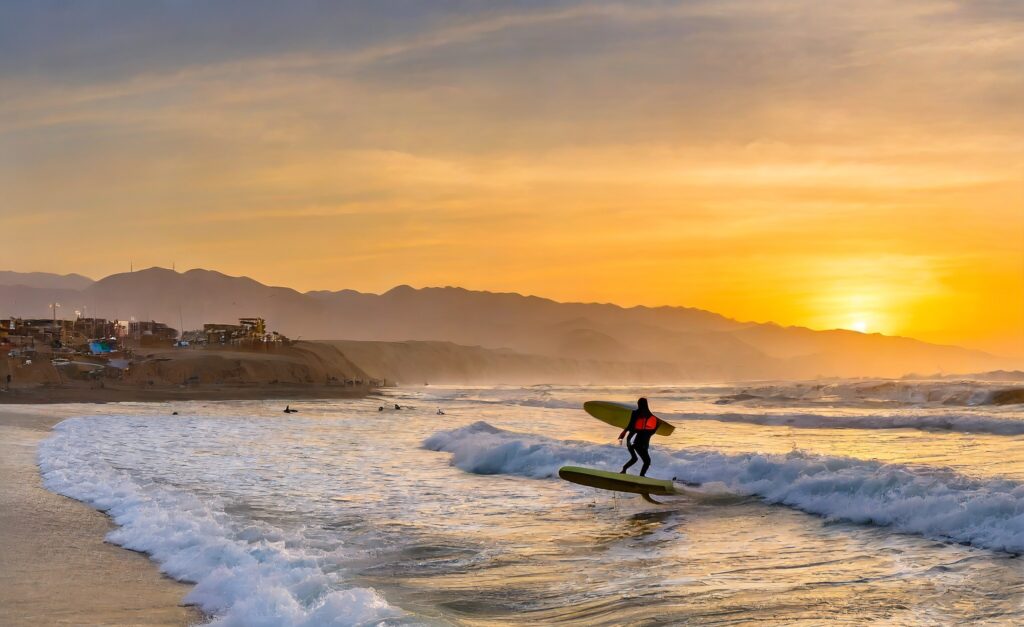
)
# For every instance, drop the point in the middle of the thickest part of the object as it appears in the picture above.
(647, 497)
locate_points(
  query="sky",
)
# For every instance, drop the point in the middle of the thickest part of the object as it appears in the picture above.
(849, 164)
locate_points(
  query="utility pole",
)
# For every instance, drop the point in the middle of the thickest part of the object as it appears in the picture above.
(54, 305)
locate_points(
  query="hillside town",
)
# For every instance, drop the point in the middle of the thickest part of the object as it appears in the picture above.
(98, 349)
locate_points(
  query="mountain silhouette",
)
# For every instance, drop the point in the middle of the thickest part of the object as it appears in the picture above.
(45, 279)
(684, 343)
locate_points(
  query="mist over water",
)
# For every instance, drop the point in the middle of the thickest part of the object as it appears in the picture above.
(344, 514)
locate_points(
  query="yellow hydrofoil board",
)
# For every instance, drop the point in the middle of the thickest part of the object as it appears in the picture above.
(618, 482)
(618, 414)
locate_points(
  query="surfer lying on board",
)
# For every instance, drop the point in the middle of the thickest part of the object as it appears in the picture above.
(642, 425)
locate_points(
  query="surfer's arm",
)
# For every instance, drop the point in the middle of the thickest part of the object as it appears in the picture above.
(625, 432)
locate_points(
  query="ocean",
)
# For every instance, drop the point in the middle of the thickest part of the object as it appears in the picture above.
(858, 502)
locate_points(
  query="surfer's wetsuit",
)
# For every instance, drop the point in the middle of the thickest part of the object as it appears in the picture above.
(642, 425)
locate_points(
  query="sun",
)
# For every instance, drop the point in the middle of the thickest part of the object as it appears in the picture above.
(860, 326)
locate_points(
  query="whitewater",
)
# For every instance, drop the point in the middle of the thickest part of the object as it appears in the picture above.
(853, 503)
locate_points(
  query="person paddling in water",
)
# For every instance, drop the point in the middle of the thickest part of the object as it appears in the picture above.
(642, 425)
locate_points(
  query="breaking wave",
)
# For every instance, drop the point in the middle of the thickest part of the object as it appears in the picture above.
(950, 393)
(933, 502)
(246, 573)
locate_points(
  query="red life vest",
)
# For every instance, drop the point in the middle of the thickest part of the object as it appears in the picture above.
(649, 423)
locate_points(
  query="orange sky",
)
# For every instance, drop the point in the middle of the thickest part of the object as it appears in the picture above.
(853, 165)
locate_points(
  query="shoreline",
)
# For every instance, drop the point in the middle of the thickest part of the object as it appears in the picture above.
(55, 566)
(68, 393)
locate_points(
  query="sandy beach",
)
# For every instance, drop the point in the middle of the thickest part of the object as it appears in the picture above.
(55, 568)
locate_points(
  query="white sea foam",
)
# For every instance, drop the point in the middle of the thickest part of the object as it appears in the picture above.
(962, 423)
(246, 572)
(934, 502)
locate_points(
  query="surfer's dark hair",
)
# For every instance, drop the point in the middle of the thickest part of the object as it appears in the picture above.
(642, 408)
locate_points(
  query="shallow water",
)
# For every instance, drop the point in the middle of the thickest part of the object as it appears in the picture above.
(343, 514)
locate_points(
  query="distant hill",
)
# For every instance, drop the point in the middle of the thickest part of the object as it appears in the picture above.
(415, 363)
(683, 343)
(45, 280)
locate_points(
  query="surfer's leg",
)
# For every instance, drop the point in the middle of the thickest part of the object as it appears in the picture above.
(632, 457)
(646, 456)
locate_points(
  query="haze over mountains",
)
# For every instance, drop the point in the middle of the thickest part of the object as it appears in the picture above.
(45, 279)
(587, 342)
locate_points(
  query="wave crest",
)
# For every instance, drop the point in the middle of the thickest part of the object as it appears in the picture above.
(936, 503)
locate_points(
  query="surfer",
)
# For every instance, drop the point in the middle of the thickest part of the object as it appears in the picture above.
(289, 410)
(642, 425)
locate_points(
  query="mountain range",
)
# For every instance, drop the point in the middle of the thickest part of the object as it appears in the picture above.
(683, 343)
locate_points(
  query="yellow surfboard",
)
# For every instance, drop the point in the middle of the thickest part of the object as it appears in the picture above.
(618, 414)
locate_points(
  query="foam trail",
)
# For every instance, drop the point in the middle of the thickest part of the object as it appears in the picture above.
(937, 503)
(246, 573)
(925, 422)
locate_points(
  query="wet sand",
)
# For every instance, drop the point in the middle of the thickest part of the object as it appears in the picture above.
(55, 568)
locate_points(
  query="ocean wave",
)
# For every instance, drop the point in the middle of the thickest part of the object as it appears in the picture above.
(961, 393)
(932, 502)
(925, 422)
(540, 403)
(246, 573)
(550, 403)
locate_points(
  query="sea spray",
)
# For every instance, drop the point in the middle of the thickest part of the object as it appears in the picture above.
(933, 502)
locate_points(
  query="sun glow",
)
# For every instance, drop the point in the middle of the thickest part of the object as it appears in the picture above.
(779, 190)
